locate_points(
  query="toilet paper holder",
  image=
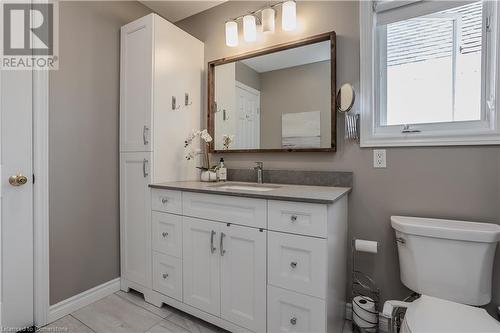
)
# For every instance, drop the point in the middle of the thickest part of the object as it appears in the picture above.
(365, 295)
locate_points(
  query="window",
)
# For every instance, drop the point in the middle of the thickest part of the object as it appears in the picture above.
(428, 73)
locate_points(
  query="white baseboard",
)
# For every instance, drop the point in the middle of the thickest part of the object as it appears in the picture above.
(85, 298)
(383, 323)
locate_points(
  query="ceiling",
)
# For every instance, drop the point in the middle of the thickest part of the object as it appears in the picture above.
(290, 58)
(177, 10)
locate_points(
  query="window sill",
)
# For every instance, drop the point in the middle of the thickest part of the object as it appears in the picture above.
(421, 140)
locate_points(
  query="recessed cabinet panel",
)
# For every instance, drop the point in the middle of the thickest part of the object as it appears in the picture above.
(135, 217)
(243, 276)
(167, 234)
(297, 263)
(136, 85)
(201, 265)
(298, 218)
(167, 275)
(244, 211)
(293, 312)
(166, 201)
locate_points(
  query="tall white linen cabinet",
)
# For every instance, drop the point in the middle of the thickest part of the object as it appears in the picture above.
(160, 103)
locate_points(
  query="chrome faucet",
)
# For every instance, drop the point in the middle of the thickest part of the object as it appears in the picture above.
(259, 168)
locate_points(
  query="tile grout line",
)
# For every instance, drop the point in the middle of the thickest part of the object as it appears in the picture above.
(129, 301)
(78, 320)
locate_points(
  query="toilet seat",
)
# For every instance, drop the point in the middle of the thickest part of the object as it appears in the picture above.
(433, 315)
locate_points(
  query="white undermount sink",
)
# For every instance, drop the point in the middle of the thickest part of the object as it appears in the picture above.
(241, 187)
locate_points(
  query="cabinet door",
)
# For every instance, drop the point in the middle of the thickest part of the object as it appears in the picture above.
(201, 264)
(243, 276)
(136, 77)
(135, 217)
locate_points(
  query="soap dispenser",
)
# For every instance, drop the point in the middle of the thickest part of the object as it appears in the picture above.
(222, 171)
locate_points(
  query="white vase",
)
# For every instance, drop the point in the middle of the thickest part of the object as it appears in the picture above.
(208, 176)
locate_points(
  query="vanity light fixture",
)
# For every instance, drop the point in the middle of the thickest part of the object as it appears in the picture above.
(249, 28)
(289, 15)
(266, 18)
(231, 33)
(268, 15)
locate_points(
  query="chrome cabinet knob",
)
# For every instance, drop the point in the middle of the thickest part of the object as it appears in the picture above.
(164, 234)
(293, 218)
(293, 264)
(164, 200)
(165, 275)
(293, 321)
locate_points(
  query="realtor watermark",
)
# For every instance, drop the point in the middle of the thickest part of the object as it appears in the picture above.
(29, 35)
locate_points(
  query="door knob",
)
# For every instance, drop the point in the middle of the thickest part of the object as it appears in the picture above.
(18, 180)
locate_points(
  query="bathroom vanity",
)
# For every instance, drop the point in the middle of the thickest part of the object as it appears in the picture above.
(245, 257)
(249, 257)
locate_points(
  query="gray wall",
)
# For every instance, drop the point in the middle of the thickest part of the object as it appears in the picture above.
(449, 182)
(247, 75)
(290, 90)
(83, 144)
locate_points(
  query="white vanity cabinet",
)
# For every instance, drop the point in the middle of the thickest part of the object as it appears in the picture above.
(225, 271)
(250, 264)
(160, 63)
(135, 216)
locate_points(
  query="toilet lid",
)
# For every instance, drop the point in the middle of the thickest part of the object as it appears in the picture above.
(432, 315)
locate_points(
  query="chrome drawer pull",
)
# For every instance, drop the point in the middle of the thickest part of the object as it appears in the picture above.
(144, 169)
(293, 321)
(164, 200)
(293, 264)
(222, 251)
(165, 275)
(144, 136)
(164, 234)
(293, 218)
(212, 247)
(400, 240)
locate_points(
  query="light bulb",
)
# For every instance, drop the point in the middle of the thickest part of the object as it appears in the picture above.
(249, 28)
(231, 33)
(268, 20)
(289, 16)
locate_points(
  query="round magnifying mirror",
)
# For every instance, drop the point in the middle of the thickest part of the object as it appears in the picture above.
(345, 98)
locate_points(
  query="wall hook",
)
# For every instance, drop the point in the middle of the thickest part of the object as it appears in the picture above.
(174, 104)
(186, 100)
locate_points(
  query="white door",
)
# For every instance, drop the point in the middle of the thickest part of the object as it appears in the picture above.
(201, 264)
(248, 117)
(243, 277)
(136, 84)
(17, 201)
(135, 217)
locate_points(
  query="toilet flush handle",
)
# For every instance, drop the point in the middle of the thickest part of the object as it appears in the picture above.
(390, 306)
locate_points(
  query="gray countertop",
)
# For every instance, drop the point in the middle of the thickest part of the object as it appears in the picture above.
(302, 193)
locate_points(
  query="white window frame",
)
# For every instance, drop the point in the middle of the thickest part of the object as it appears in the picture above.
(483, 132)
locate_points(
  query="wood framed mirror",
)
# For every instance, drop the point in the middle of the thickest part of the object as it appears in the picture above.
(278, 99)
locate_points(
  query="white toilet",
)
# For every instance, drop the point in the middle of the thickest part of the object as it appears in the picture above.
(450, 264)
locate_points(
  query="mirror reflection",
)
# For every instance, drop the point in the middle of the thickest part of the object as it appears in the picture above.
(280, 100)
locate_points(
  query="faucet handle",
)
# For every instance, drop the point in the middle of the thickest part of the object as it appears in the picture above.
(260, 165)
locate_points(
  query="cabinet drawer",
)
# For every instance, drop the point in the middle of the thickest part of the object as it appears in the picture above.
(167, 275)
(297, 217)
(166, 201)
(245, 211)
(293, 312)
(167, 233)
(297, 263)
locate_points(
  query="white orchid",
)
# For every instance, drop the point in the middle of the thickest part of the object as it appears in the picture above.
(192, 153)
(206, 136)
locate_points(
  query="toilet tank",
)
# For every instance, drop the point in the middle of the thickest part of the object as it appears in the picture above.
(447, 259)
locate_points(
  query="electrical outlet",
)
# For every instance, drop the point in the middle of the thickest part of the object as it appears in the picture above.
(379, 158)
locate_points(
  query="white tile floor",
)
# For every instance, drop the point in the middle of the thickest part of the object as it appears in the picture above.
(129, 313)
